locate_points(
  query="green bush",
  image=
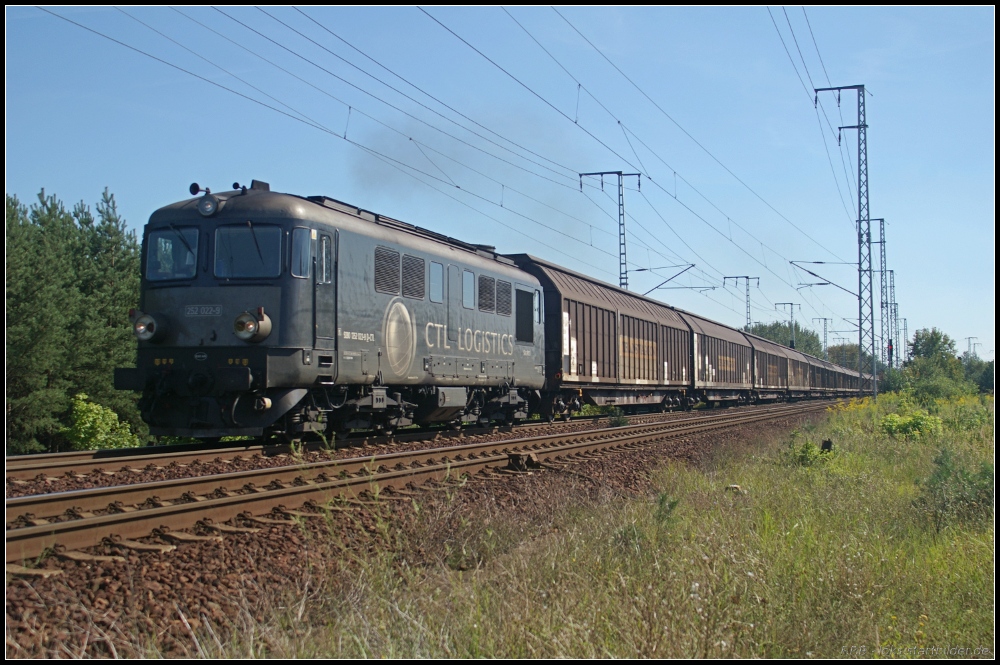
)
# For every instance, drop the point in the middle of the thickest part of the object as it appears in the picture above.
(970, 414)
(808, 454)
(616, 417)
(912, 425)
(96, 427)
(955, 494)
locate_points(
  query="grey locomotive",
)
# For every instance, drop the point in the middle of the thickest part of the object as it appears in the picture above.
(267, 313)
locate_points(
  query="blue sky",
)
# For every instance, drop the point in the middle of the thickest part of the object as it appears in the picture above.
(741, 173)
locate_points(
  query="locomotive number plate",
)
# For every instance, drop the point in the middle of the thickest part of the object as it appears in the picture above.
(203, 310)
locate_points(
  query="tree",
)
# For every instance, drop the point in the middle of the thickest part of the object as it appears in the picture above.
(42, 312)
(846, 355)
(806, 340)
(934, 370)
(108, 278)
(70, 279)
(978, 371)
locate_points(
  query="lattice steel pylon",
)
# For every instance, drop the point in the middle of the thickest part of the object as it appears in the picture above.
(622, 261)
(826, 353)
(866, 313)
(884, 288)
(893, 318)
(737, 283)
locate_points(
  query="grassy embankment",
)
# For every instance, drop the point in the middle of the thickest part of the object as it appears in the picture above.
(885, 543)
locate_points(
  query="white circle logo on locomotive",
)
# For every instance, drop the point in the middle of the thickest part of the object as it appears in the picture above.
(400, 338)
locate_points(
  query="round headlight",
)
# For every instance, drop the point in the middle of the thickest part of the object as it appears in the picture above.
(145, 328)
(208, 205)
(252, 327)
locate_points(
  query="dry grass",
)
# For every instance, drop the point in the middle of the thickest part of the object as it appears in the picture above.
(802, 560)
(820, 555)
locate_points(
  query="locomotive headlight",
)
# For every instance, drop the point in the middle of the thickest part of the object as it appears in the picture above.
(148, 329)
(208, 205)
(252, 326)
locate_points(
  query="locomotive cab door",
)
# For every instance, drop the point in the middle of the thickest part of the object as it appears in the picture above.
(326, 292)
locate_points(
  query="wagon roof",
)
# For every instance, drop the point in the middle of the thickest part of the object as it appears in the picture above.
(705, 326)
(585, 289)
(767, 345)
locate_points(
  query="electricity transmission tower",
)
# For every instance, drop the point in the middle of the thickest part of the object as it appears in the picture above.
(866, 315)
(622, 263)
(736, 281)
(791, 307)
(826, 354)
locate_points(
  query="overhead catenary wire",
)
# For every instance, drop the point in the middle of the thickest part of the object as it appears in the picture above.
(379, 99)
(626, 161)
(686, 133)
(568, 169)
(331, 132)
(359, 145)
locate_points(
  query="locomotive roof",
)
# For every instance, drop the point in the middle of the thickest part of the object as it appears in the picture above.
(260, 201)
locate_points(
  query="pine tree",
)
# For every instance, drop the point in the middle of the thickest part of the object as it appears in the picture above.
(42, 318)
(70, 280)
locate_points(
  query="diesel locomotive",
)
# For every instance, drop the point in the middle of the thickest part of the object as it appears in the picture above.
(265, 313)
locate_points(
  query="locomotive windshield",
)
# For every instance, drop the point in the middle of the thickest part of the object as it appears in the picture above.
(248, 251)
(172, 253)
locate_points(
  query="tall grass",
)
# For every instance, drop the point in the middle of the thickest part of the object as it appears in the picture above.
(787, 551)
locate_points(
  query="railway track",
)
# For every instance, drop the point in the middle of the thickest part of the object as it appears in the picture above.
(80, 463)
(84, 518)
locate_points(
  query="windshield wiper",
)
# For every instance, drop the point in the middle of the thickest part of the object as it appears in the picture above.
(180, 235)
(256, 244)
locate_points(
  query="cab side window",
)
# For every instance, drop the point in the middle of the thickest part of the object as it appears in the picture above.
(468, 289)
(437, 282)
(301, 252)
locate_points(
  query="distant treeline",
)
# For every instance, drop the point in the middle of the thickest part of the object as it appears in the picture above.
(71, 278)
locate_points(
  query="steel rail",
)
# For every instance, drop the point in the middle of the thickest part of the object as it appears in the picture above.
(29, 467)
(32, 541)
(121, 497)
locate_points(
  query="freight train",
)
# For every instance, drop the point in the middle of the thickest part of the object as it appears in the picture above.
(264, 314)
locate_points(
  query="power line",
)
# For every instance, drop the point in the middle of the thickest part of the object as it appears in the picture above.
(796, 41)
(379, 99)
(645, 145)
(686, 133)
(442, 103)
(326, 130)
(817, 47)
(799, 76)
(400, 92)
(787, 52)
(526, 87)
